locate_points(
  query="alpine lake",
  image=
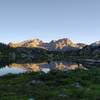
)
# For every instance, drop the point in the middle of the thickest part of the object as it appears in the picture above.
(17, 68)
(52, 80)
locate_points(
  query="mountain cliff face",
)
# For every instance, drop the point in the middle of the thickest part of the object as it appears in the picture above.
(38, 49)
(28, 44)
(81, 45)
(64, 44)
(61, 44)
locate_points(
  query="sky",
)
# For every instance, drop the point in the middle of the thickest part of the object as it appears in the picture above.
(49, 20)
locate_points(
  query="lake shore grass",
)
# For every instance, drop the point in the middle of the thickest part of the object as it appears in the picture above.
(56, 85)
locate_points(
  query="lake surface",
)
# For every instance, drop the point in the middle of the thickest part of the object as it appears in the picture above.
(16, 68)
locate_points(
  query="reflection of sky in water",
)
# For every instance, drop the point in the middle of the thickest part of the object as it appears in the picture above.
(46, 70)
(36, 67)
(7, 70)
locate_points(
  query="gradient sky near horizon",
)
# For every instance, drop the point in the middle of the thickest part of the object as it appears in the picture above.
(48, 20)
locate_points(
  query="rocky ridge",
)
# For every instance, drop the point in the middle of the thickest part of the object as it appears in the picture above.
(64, 44)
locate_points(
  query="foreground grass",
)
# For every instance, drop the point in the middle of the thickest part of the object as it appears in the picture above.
(56, 85)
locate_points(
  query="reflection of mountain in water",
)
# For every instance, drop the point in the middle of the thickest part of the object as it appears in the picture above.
(35, 67)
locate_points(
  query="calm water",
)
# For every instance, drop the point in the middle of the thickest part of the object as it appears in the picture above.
(15, 68)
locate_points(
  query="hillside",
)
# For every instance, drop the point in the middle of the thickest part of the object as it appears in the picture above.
(58, 49)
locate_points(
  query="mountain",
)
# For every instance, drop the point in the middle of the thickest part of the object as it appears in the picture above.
(28, 44)
(92, 50)
(97, 43)
(64, 44)
(35, 49)
(81, 45)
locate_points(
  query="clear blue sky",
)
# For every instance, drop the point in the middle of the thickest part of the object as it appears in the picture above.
(48, 20)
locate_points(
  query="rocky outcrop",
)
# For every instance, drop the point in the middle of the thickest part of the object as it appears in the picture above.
(81, 45)
(28, 43)
(61, 45)
(64, 44)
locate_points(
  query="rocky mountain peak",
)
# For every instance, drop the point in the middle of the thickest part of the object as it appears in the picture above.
(55, 45)
(27, 43)
(81, 45)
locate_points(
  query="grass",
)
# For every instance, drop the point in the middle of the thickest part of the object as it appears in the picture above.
(55, 85)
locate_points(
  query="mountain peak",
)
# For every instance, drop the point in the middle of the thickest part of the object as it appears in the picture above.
(55, 45)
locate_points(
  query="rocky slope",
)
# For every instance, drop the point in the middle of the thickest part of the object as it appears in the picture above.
(92, 50)
(28, 44)
(32, 49)
(64, 44)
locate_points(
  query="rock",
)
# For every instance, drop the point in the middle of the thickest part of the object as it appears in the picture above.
(36, 82)
(63, 93)
(31, 99)
(77, 85)
(58, 45)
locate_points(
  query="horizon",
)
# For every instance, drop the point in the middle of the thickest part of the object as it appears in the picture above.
(48, 20)
(21, 39)
(46, 41)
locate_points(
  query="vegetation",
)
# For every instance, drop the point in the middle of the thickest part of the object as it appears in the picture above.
(55, 85)
(30, 54)
(90, 52)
